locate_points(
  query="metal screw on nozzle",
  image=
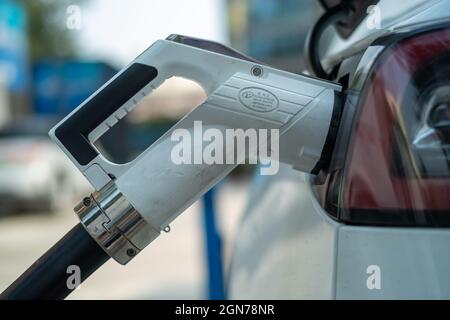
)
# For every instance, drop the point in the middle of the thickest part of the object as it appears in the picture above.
(131, 252)
(257, 71)
(87, 201)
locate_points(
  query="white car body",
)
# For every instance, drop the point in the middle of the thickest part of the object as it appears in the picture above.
(288, 247)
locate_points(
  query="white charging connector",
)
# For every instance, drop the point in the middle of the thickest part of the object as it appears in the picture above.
(133, 202)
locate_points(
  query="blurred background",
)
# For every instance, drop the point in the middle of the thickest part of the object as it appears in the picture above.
(53, 55)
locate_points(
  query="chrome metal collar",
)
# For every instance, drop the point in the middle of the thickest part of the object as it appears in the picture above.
(115, 224)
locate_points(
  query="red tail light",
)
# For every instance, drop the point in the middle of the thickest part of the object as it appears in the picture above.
(397, 169)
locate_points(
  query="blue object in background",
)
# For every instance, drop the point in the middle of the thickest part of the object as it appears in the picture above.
(61, 86)
(216, 289)
(14, 71)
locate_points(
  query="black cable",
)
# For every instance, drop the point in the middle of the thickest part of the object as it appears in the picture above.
(312, 43)
(47, 278)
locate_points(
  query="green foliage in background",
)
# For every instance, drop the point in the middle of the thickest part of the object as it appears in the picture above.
(47, 30)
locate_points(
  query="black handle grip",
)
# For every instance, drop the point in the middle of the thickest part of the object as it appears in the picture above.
(73, 133)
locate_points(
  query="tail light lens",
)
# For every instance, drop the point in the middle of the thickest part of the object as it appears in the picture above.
(397, 168)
